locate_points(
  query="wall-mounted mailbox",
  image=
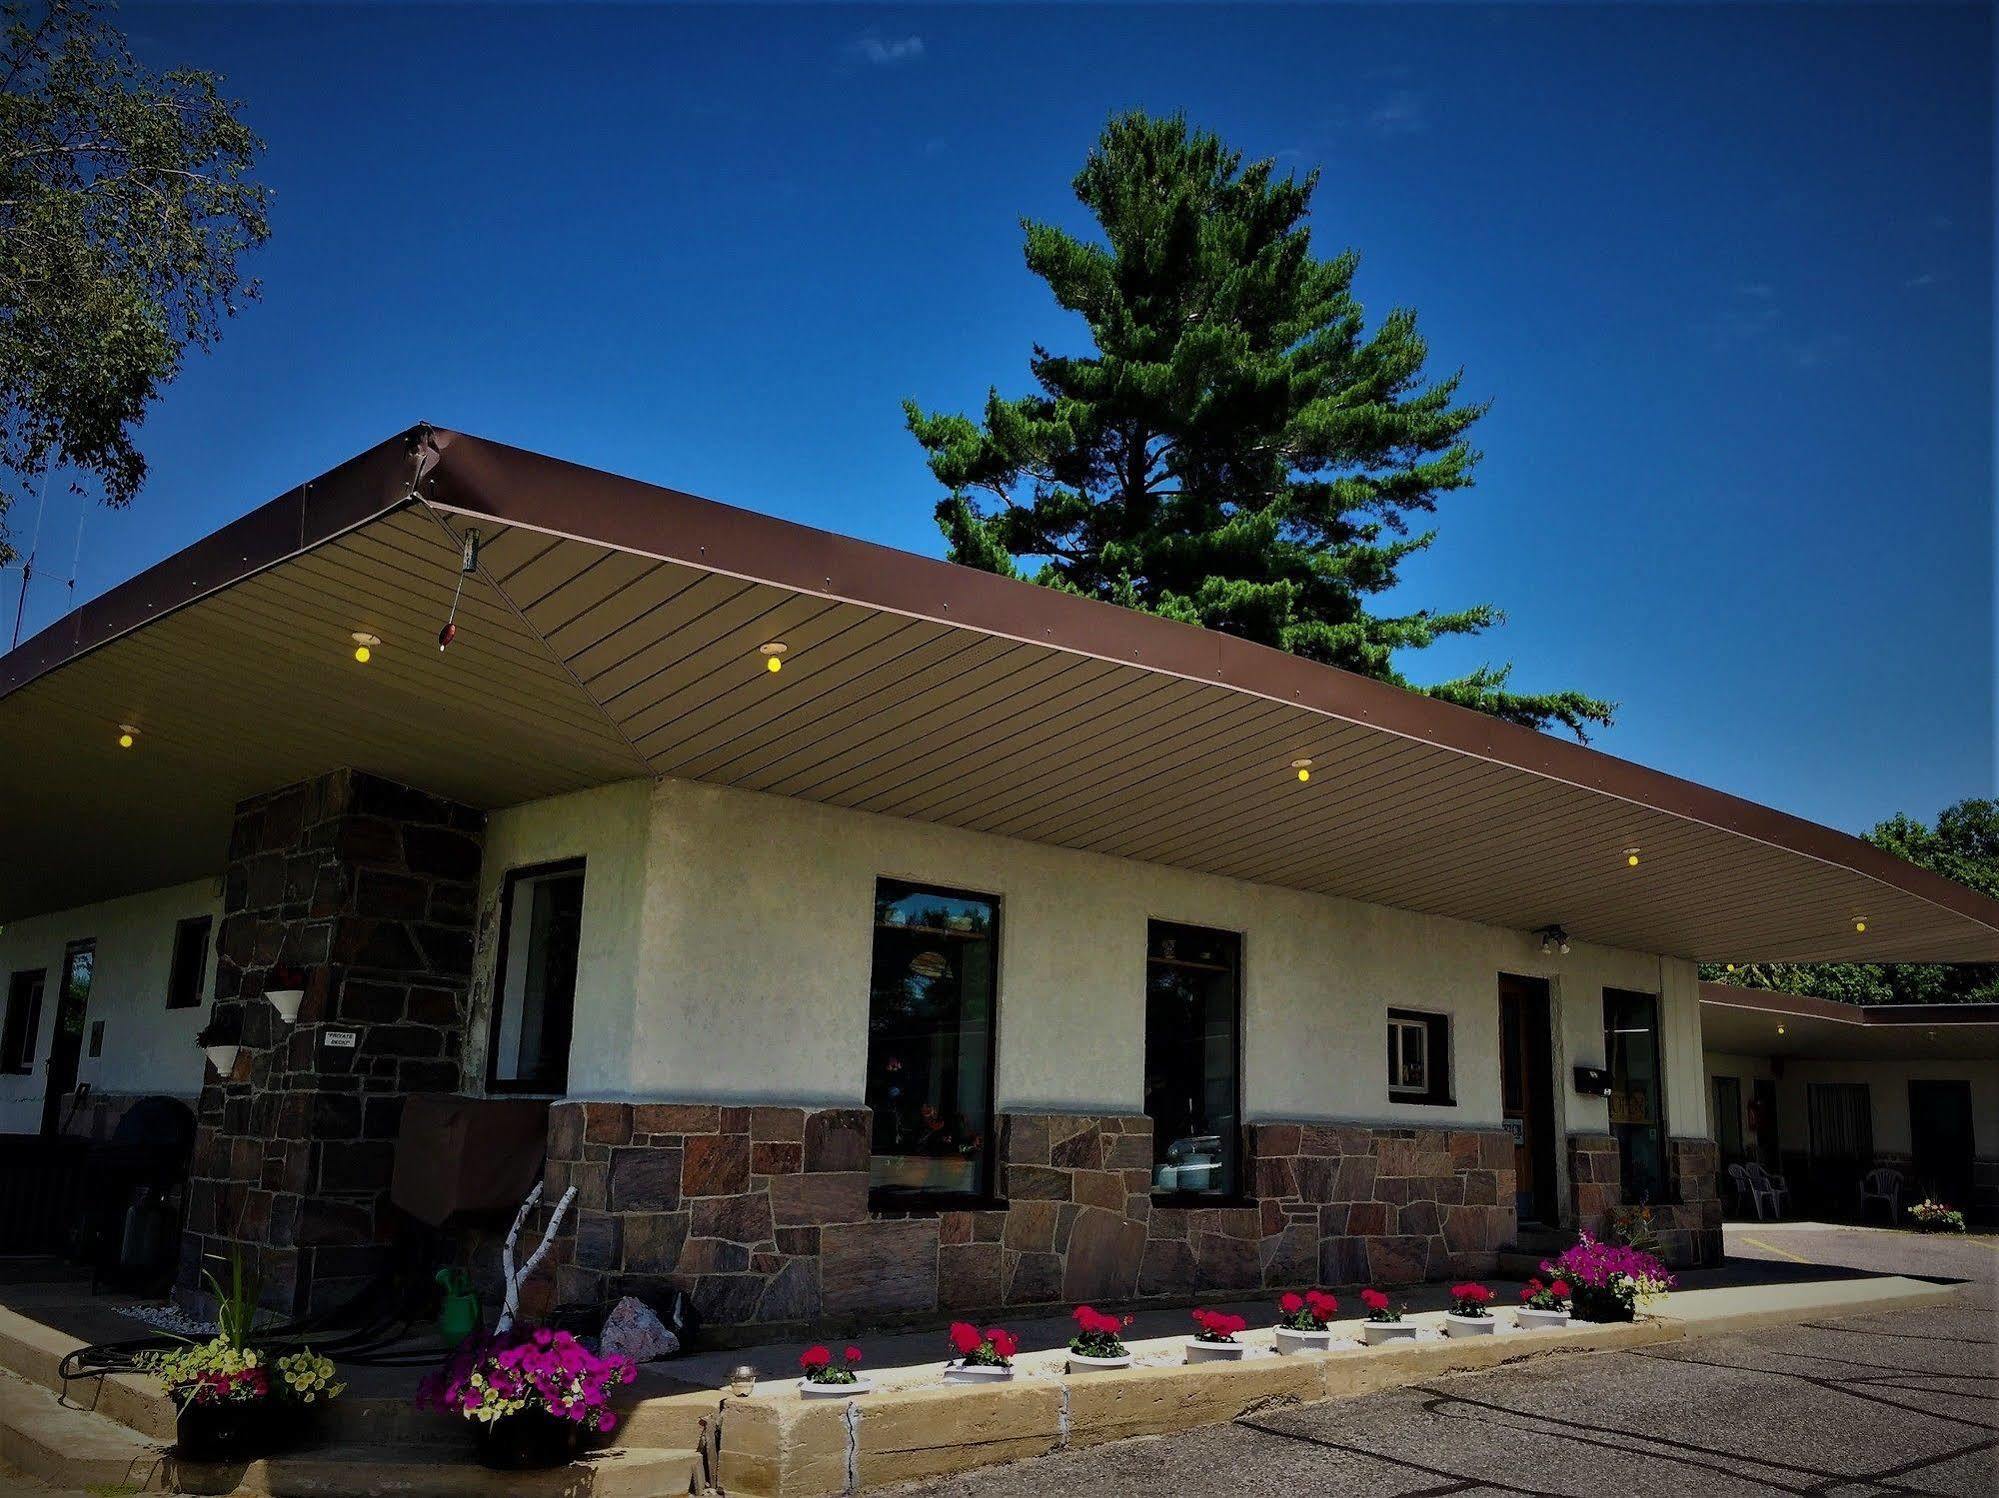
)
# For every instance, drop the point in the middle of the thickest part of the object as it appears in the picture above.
(1593, 1081)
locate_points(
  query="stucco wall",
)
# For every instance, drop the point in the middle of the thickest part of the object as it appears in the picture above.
(605, 827)
(1887, 1091)
(754, 956)
(148, 1047)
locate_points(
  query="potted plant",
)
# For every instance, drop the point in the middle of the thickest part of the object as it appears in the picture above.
(1608, 1281)
(1096, 1345)
(1215, 1341)
(285, 988)
(1933, 1216)
(983, 1356)
(532, 1395)
(221, 1040)
(1384, 1321)
(1303, 1322)
(826, 1379)
(1470, 1314)
(1543, 1306)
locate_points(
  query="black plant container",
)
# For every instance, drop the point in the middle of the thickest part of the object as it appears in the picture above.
(529, 1440)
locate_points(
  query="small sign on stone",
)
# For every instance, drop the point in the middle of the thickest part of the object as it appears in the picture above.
(340, 1039)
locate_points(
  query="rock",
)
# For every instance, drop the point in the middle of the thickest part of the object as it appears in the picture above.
(633, 1331)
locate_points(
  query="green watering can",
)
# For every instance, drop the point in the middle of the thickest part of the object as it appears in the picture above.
(459, 1316)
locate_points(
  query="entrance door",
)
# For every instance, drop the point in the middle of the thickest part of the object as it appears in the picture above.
(1527, 1094)
(79, 961)
(1940, 1138)
(1763, 1123)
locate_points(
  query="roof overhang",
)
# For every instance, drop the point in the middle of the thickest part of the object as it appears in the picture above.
(1760, 1022)
(612, 631)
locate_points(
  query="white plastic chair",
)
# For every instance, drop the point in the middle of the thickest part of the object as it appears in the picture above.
(1883, 1185)
(1774, 1190)
(1746, 1197)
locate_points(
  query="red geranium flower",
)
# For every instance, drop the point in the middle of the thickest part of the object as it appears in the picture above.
(814, 1357)
(1005, 1343)
(1322, 1304)
(965, 1337)
(1292, 1303)
(1374, 1300)
(853, 1354)
(1560, 1289)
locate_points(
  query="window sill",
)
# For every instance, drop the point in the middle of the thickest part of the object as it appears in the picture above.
(934, 1204)
(1424, 1102)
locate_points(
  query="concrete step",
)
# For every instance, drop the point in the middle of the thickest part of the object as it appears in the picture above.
(34, 1352)
(438, 1472)
(52, 1441)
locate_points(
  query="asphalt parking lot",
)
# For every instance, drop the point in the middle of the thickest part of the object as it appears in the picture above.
(1854, 1406)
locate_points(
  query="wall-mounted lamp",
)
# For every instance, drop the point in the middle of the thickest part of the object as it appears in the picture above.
(1304, 769)
(127, 735)
(286, 1002)
(1631, 857)
(222, 1058)
(773, 654)
(364, 645)
(1553, 940)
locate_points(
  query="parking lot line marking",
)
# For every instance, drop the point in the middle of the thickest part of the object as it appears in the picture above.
(1772, 1248)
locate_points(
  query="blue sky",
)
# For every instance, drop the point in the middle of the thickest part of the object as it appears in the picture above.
(1725, 274)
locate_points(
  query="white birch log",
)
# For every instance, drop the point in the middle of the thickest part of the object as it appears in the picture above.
(516, 1278)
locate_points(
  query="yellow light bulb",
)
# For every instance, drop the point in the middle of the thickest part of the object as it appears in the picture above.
(1860, 925)
(124, 741)
(773, 665)
(1304, 775)
(1731, 967)
(362, 654)
(1780, 1029)
(1631, 860)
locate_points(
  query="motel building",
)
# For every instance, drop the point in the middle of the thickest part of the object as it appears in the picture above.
(860, 937)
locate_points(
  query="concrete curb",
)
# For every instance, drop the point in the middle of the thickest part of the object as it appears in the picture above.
(780, 1446)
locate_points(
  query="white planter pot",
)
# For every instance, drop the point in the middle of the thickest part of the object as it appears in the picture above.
(1469, 1326)
(222, 1058)
(1375, 1332)
(1531, 1320)
(1214, 1352)
(809, 1390)
(286, 1001)
(1290, 1343)
(975, 1373)
(1081, 1363)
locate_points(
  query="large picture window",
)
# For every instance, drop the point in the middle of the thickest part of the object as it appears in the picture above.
(1193, 1011)
(1631, 1045)
(534, 985)
(931, 1004)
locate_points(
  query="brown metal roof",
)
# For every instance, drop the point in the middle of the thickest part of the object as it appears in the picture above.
(612, 632)
(1748, 1021)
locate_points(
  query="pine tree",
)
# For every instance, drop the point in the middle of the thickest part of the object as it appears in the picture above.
(1239, 451)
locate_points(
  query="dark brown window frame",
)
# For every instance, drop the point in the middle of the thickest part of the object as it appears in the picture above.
(1438, 1091)
(1239, 1193)
(495, 1084)
(205, 924)
(919, 1204)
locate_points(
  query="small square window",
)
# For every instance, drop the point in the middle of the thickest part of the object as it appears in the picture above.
(189, 970)
(1419, 1057)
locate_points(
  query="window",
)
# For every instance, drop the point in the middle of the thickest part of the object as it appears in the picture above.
(1419, 1057)
(541, 919)
(1631, 1044)
(190, 965)
(1193, 1006)
(931, 1004)
(23, 1021)
(1842, 1122)
(1728, 1119)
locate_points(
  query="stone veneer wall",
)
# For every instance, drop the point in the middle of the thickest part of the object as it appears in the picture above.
(370, 889)
(1688, 1227)
(761, 1214)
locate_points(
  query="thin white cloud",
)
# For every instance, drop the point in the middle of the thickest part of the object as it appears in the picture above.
(1401, 113)
(886, 51)
(1927, 278)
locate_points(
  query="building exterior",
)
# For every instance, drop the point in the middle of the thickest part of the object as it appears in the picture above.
(1823, 1093)
(885, 939)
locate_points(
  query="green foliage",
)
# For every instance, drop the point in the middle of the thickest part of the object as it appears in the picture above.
(1964, 846)
(125, 201)
(235, 1304)
(1239, 452)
